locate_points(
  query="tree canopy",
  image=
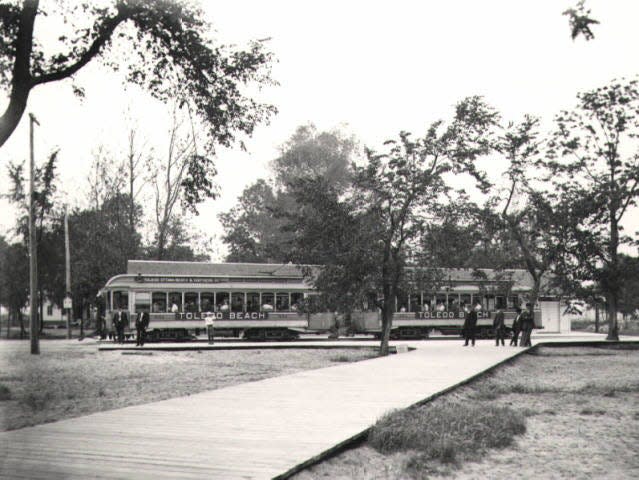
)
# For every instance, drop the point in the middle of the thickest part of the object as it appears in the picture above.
(256, 229)
(163, 46)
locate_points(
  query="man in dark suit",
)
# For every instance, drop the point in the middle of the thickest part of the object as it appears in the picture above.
(499, 327)
(122, 320)
(470, 322)
(516, 327)
(527, 324)
(141, 324)
(113, 329)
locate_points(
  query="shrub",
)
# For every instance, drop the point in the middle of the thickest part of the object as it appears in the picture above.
(341, 358)
(38, 391)
(485, 392)
(5, 392)
(447, 432)
(37, 399)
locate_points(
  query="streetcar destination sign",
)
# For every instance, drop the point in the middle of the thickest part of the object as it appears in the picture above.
(442, 315)
(221, 315)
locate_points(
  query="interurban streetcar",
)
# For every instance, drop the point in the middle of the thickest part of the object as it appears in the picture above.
(262, 301)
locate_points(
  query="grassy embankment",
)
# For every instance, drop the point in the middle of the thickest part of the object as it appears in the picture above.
(562, 413)
(72, 378)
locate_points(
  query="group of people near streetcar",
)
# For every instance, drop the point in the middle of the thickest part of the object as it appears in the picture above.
(120, 320)
(523, 324)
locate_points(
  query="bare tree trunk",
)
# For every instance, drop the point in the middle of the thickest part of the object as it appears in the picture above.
(22, 330)
(613, 328)
(387, 320)
(596, 316)
(41, 311)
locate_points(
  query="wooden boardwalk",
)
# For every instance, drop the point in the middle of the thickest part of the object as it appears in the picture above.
(256, 430)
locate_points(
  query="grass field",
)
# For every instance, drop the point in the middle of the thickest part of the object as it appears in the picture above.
(72, 378)
(579, 408)
(628, 326)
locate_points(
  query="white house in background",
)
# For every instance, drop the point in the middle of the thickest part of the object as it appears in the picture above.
(52, 313)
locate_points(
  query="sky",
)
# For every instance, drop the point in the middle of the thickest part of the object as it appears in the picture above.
(371, 68)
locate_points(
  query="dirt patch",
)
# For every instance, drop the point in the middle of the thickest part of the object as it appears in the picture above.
(71, 379)
(581, 407)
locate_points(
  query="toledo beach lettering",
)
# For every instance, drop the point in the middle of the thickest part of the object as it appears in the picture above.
(222, 315)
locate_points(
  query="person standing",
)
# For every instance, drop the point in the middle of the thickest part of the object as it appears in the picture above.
(141, 324)
(113, 330)
(527, 323)
(516, 327)
(499, 327)
(123, 319)
(470, 322)
(209, 327)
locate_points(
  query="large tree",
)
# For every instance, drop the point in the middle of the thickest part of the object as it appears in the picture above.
(164, 45)
(44, 203)
(100, 243)
(253, 229)
(535, 220)
(14, 277)
(393, 197)
(256, 228)
(594, 163)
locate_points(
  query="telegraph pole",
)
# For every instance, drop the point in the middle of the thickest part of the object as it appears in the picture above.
(67, 253)
(34, 331)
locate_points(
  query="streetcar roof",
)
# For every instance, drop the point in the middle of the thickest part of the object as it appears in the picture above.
(154, 267)
(206, 275)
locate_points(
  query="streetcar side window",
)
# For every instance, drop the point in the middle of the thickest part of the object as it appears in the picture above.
(489, 303)
(208, 301)
(500, 302)
(464, 300)
(142, 301)
(253, 302)
(453, 301)
(268, 301)
(120, 300)
(427, 304)
(414, 302)
(222, 300)
(402, 302)
(282, 304)
(237, 302)
(296, 300)
(191, 302)
(441, 301)
(158, 302)
(175, 302)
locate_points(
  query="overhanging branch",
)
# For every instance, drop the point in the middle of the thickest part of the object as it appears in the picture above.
(103, 37)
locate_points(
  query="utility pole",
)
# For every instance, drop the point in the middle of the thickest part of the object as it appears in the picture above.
(67, 254)
(34, 331)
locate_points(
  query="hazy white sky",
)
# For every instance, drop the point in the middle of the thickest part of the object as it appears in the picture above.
(379, 67)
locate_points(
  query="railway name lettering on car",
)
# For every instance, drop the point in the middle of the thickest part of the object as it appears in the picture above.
(175, 279)
(221, 315)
